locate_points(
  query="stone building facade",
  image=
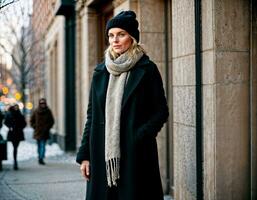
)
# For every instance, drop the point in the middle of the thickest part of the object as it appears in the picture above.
(48, 75)
(41, 19)
(211, 154)
(206, 53)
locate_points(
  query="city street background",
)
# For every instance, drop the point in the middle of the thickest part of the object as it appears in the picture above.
(59, 179)
(206, 53)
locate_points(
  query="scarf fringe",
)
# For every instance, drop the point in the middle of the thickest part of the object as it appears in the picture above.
(112, 171)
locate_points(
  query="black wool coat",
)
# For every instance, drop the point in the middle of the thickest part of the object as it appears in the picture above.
(1, 119)
(15, 121)
(144, 111)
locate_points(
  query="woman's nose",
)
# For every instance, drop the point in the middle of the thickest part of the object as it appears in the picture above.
(115, 38)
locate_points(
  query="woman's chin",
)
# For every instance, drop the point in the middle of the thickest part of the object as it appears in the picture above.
(118, 52)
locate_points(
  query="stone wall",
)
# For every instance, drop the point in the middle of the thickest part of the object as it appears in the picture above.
(87, 61)
(183, 66)
(229, 89)
(226, 99)
(55, 46)
(253, 85)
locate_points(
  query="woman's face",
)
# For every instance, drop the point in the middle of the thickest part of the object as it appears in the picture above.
(16, 107)
(119, 40)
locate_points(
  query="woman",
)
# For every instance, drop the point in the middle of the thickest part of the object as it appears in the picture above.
(15, 121)
(126, 110)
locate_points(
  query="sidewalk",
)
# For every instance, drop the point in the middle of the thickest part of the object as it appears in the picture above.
(28, 149)
(59, 179)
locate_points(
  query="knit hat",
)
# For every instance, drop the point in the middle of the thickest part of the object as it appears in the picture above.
(125, 20)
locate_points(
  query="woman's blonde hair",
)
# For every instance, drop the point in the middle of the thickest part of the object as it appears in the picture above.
(133, 49)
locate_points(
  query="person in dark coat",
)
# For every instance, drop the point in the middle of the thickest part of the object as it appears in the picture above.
(15, 121)
(42, 121)
(126, 110)
(1, 119)
(1, 137)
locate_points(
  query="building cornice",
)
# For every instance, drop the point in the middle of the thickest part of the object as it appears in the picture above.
(80, 4)
(116, 3)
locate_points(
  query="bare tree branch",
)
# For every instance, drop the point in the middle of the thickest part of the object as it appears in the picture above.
(19, 43)
(4, 5)
(10, 53)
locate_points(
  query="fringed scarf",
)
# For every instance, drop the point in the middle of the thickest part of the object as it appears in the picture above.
(119, 72)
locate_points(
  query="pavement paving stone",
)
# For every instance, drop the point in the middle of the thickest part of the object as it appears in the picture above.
(6, 193)
(59, 179)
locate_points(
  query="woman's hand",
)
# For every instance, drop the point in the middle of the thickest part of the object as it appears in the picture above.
(85, 169)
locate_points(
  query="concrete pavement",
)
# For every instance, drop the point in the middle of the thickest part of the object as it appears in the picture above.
(59, 179)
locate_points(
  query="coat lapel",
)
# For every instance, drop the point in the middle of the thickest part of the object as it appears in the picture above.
(101, 79)
(134, 79)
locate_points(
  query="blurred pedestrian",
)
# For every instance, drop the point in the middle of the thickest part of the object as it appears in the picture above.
(15, 121)
(42, 121)
(1, 138)
(1, 119)
(127, 108)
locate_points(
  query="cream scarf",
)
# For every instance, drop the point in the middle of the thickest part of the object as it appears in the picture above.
(119, 72)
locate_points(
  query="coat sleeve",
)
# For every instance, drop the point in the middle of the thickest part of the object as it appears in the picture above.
(33, 120)
(23, 123)
(84, 151)
(50, 120)
(1, 119)
(8, 120)
(159, 108)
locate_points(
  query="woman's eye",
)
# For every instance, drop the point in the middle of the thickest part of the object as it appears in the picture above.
(121, 35)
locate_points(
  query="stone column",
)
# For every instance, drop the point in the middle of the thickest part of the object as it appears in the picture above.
(79, 104)
(152, 32)
(226, 100)
(55, 35)
(226, 109)
(183, 71)
(253, 70)
(89, 58)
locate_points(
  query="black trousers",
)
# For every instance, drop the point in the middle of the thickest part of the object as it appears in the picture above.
(112, 193)
(15, 150)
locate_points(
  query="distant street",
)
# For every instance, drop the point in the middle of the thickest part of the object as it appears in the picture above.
(59, 179)
(28, 149)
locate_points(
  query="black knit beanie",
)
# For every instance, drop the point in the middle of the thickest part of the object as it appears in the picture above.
(125, 20)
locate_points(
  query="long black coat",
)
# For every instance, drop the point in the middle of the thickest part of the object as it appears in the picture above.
(144, 111)
(1, 119)
(15, 121)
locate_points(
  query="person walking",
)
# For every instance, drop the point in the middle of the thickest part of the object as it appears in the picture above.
(2, 149)
(42, 121)
(15, 121)
(126, 110)
(1, 119)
